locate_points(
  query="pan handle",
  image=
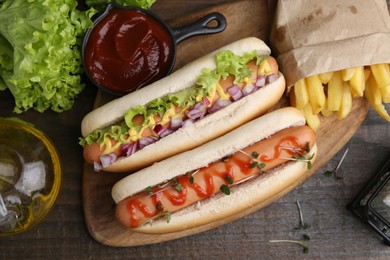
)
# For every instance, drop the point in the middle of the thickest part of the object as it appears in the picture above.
(200, 27)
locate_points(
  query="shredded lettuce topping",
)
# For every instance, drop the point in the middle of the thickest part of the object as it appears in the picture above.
(227, 63)
(40, 59)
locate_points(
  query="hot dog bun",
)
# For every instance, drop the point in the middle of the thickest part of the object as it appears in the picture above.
(203, 130)
(261, 190)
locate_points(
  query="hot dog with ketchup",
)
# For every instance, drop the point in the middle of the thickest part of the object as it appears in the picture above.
(247, 166)
(199, 102)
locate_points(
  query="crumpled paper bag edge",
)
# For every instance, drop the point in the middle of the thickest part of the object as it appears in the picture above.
(297, 63)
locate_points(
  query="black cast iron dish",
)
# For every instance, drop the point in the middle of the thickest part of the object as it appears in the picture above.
(177, 35)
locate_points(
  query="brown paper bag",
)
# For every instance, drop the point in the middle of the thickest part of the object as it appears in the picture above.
(315, 36)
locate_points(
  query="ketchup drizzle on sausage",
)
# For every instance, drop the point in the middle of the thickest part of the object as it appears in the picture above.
(208, 180)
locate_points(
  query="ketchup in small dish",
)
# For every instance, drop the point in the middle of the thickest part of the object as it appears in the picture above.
(128, 49)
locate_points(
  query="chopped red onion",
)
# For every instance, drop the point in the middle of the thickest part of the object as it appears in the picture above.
(199, 105)
(147, 141)
(97, 167)
(162, 131)
(248, 89)
(198, 111)
(188, 122)
(206, 101)
(220, 103)
(108, 159)
(129, 148)
(271, 78)
(235, 92)
(158, 129)
(260, 82)
(176, 122)
(166, 131)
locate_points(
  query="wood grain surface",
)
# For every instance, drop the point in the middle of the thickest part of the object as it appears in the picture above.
(335, 233)
(98, 204)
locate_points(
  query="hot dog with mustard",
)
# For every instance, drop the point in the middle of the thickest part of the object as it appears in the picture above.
(197, 103)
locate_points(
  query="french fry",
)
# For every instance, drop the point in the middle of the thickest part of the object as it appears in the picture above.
(381, 110)
(354, 93)
(312, 120)
(291, 95)
(346, 101)
(384, 91)
(373, 96)
(325, 77)
(382, 77)
(347, 74)
(387, 66)
(326, 112)
(367, 73)
(334, 92)
(372, 93)
(301, 95)
(381, 74)
(386, 99)
(385, 94)
(316, 93)
(358, 81)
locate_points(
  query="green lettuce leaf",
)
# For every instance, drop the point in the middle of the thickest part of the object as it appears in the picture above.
(101, 4)
(209, 78)
(184, 98)
(135, 111)
(158, 107)
(229, 63)
(40, 59)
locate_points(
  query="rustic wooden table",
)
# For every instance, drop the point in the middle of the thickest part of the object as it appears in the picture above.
(334, 231)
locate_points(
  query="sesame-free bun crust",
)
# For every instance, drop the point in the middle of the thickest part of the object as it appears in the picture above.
(203, 130)
(220, 206)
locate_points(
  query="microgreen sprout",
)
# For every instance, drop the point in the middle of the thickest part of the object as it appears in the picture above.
(335, 170)
(302, 159)
(301, 242)
(229, 179)
(167, 215)
(225, 189)
(173, 183)
(160, 206)
(255, 163)
(165, 186)
(304, 239)
(302, 224)
(149, 190)
(178, 187)
(241, 151)
(191, 176)
(245, 179)
(294, 149)
(299, 154)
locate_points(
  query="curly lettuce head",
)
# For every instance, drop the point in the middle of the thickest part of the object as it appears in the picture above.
(40, 59)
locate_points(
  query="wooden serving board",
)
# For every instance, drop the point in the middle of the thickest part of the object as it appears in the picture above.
(99, 208)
